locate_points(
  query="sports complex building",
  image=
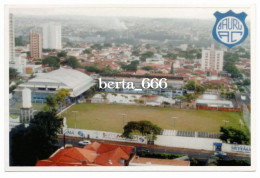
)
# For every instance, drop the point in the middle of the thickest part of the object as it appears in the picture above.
(45, 84)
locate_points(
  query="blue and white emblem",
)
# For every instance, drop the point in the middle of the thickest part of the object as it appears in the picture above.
(230, 28)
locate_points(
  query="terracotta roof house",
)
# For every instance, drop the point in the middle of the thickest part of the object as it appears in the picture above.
(95, 154)
(182, 70)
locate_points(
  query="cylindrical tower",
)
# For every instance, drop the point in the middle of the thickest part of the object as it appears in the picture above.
(27, 98)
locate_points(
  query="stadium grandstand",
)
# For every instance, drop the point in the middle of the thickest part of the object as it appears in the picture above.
(45, 84)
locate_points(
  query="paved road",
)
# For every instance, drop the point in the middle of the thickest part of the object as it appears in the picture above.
(198, 154)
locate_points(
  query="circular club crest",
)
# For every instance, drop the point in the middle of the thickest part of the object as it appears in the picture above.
(230, 28)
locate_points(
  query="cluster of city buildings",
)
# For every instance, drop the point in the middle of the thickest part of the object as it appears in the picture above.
(206, 70)
(48, 36)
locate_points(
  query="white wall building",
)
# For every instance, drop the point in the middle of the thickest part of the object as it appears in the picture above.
(51, 36)
(212, 59)
(11, 39)
(19, 63)
(156, 59)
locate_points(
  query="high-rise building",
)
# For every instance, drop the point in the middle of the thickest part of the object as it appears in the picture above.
(212, 59)
(11, 39)
(51, 36)
(35, 44)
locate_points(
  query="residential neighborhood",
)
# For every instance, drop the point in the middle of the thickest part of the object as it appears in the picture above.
(132, 92)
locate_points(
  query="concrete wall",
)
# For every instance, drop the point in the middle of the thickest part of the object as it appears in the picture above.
(200, 143)
(102, 135)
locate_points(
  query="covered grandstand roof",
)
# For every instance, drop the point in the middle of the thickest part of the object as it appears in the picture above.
(214, 103)
(74, 80)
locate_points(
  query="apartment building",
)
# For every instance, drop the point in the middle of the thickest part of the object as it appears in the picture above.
(212, 59)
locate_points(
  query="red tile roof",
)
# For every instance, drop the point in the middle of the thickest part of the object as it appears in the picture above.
(199, 71)
(182, 75)
(95, 154)
(182, 70)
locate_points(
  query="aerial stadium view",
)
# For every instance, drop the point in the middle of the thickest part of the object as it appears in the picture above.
(140, 87)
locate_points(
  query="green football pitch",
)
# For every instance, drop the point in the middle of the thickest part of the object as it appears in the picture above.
(108, 117)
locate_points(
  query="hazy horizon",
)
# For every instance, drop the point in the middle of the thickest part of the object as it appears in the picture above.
(205, 13)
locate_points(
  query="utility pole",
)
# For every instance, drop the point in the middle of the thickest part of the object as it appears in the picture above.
(174, 122)
(123, 119)
(75, 116)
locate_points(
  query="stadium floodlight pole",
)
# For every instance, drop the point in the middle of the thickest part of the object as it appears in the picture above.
(75, 116)
(123, 119)
(174, 122)
(225, 121)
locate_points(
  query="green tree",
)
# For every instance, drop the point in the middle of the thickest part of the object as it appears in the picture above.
(144, 127)
(72, 62)
(96, 46)
(136, 53)
(92, 68)
(62, 54)
(234, 135)
(130, 67)
(19, 41)
(58, 99)
(87, 51)
(171, 55)
(193, 85)
(51, 61)
(148, 54)
(61, 95)
(35, 142)
(246, 82)
(12, 73)
(51, 102)
(232, 69)
(148, 68)
(233, 162)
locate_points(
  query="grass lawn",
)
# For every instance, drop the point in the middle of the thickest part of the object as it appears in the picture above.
(36, 106)
(107, 117)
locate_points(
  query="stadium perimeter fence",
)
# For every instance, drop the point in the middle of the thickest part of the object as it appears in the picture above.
(190, 134)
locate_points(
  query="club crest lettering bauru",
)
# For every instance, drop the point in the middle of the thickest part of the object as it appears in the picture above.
(230, 28)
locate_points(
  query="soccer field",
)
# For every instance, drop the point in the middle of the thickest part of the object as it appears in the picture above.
(108, 117)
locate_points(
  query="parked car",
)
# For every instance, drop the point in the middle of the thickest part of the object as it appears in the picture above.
(85, 142)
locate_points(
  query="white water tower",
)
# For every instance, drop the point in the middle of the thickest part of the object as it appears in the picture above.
(27, 98)
(26, 110)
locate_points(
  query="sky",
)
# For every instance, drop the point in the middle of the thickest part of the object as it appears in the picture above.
(148, 12)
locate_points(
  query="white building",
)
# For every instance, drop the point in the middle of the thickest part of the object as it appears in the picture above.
(51, 36)
(183, 47)
(156, 59)
(45, 84)
(19, 63)
(11, 38)
(212, 59)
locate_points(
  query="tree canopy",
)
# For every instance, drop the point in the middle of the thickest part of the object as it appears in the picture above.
(35, 142)
(12, 73)
(130, 67)
(234, 135)
(144, 127)
(58, 99)
(51, 61)
(148, 68)
(62, 54)
(192, 85)
(87, 51)
(72, 62)
(246, 82)
(148, 54)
